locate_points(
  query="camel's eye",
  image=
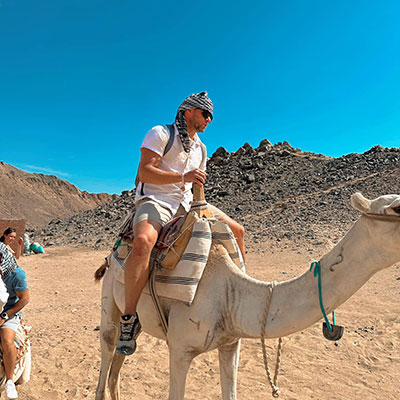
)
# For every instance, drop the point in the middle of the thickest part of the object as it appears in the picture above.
(397, 209)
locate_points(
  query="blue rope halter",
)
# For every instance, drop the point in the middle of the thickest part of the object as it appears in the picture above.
(317, 271)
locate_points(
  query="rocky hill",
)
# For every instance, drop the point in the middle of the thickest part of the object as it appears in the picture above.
(279, 193)
(39, 198)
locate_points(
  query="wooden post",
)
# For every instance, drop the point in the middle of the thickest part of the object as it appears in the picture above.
(198, 196)
(198, 193)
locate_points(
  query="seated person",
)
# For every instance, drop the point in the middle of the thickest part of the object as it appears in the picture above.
(15, 280)
(9, 235)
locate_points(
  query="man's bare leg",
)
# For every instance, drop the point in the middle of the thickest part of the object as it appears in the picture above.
(238, 231)
(136, 276)
(9, 359)
(9, 350)
(137, 264)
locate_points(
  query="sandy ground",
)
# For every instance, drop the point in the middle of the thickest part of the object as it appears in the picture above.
(65, 314)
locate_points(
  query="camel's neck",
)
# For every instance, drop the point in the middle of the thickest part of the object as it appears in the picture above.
(295, 304)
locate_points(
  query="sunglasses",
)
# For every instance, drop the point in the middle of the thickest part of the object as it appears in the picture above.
(207, 114)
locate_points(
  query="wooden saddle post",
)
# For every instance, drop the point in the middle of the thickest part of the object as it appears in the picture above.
(200, 207)
(199, 202)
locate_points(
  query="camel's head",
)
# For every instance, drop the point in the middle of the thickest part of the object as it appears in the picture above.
(381, 216)
(384, 205)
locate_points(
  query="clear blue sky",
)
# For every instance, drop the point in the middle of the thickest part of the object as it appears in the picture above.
(81, 82)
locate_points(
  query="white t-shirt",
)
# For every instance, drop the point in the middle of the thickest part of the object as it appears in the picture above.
(177, 160)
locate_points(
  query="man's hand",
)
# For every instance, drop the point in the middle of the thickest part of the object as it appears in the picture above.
(196, 176)
(2, 321)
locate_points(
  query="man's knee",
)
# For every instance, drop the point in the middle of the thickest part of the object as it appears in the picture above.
(238, 230)
(7, 342)
(242, 230)
(142, 245)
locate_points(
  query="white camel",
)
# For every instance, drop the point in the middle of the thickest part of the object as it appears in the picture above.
(229, 304)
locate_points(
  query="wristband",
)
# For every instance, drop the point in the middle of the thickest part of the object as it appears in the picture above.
(183, 179)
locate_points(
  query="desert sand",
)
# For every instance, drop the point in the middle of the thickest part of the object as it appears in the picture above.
(64, 313)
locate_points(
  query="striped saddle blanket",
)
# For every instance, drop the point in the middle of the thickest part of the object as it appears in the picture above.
(181, 282)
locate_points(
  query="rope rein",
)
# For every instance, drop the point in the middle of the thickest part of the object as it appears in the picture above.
(157, 304)
(273, 382)
(317, 272)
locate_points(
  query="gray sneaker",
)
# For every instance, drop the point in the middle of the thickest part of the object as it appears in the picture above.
(130, 330)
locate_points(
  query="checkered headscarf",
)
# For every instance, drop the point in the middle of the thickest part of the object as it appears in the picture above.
(8, 262)
(196, 100)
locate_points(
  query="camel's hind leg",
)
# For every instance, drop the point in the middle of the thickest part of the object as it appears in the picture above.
(179, 363)
(228, 366)
(109, 330)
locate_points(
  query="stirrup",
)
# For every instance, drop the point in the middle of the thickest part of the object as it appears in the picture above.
(335, 334)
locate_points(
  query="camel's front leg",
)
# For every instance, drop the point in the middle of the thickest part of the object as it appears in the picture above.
(109, 330)
(108, 338)
(114, 378)
(179, 363)
(228, 366)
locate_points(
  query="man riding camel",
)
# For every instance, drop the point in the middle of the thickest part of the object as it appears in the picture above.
(166, 176)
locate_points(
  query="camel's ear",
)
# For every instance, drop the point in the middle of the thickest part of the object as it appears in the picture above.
(359, 202)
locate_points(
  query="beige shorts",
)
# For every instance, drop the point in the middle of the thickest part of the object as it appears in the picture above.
(12, 323)
(150, 210)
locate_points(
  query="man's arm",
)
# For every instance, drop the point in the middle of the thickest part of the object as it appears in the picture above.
(23, 300)
(19, 247)
(149, 171)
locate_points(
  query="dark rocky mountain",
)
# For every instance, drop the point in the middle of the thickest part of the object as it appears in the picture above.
(279, 193)
(39, 198)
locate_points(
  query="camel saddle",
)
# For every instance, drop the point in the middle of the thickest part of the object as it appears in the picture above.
(173, 237)
(180, 255)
